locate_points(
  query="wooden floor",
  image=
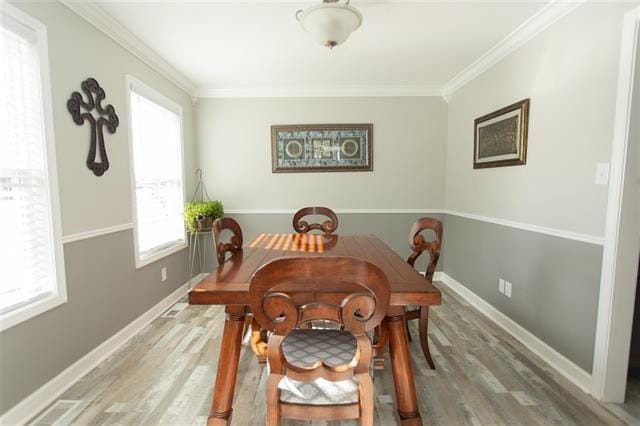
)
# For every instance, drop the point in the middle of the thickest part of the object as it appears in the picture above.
(630, 410)
(164, 375)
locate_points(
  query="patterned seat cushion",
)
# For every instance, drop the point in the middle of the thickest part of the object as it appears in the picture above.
(303, 348)
(318, 392)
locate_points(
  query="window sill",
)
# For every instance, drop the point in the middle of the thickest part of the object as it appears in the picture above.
(140, 262)
(31, 310)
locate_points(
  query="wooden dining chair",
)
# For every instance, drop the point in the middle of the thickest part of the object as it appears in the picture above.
(318, 374)
(329, 226)
(258, 336)
(234, 244)
(420, 245)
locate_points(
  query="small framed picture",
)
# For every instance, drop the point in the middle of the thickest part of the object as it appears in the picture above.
(500, 137)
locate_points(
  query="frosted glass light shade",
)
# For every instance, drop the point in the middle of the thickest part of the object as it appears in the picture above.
(330, 23)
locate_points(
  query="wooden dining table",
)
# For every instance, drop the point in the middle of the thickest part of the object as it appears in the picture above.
(229, 285)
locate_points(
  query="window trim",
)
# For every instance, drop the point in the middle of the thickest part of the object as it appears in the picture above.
(44, 303)
(134, 84)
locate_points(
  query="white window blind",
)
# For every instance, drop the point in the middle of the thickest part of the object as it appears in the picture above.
(27, 246)
(156, 133)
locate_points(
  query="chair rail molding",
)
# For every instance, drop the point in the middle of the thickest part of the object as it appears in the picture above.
(111, 27)
(554, 232)
(617, 285)
(70, 238)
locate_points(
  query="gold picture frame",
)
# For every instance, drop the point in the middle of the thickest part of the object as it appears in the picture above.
(500, 138)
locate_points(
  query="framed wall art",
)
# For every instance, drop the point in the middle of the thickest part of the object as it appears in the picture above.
(500, 138)
(321, 147)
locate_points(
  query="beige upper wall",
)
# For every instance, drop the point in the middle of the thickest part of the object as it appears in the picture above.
(234, 149)
(570, 73)
(77, 51)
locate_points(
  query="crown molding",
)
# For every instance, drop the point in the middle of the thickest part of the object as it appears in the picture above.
(103, 21)
(540, 21)
(318, 92)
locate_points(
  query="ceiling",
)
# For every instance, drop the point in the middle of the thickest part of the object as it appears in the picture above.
(252, 47)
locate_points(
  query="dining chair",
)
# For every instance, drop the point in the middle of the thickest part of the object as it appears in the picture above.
(328, 226)
(319, 374)
(257, 336)
(420, 245)
(234, 245)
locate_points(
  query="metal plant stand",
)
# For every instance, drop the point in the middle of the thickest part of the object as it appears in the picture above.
(201, 239)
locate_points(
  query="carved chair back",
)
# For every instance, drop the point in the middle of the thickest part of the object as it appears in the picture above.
(274, 287)
(234, 244)
(328, 226)
(419, 244)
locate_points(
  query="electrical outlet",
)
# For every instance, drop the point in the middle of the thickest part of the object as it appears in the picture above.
(602, 173)
(507, 289)
(501, 285)
(163, 272)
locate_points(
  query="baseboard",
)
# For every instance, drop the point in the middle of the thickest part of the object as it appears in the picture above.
(21, 413)
(556, 360)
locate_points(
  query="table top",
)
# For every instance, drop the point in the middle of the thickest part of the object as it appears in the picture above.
(229, 284)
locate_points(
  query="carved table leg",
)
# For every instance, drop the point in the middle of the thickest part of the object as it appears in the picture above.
(221, 405)
(406, 400)
(381, 340)
(258, 345)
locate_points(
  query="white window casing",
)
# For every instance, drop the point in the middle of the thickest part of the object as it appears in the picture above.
(157, 172)
(32, 274)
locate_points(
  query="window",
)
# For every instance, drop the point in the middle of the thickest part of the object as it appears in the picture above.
(31, 263)
(157, 175)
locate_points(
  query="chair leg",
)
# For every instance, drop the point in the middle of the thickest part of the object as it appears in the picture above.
(258, 345)
(273, 400)
(424, 339)
(366, 399)
(406, 327)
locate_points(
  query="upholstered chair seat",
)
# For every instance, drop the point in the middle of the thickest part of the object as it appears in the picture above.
(304, 348)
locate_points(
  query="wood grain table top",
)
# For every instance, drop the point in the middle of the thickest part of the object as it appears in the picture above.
(229, 284)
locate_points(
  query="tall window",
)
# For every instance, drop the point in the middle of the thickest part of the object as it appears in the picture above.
(31, 272)
(156, 147)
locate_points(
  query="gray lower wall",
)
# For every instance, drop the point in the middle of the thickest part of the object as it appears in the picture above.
(105, 293)
(555, 280)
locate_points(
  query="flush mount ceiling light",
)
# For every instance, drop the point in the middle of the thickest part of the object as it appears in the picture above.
(330, 22)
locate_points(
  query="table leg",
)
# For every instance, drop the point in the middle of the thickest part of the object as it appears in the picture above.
(406, 400)
(221, 405)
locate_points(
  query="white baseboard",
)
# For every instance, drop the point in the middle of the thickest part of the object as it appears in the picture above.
(556, 360)
(22, 412)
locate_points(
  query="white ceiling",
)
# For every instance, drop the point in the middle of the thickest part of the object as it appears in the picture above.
(246, 47)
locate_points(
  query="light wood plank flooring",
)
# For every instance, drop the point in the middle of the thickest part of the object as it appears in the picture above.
(165, 374)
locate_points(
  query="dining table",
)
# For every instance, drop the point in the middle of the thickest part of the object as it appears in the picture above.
(229, 284)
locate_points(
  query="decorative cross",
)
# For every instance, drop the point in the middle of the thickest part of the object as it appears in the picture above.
(106, 117)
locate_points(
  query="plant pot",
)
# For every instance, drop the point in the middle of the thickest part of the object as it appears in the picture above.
(204, 223)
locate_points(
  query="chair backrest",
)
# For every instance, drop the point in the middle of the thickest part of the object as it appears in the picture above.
(328, 226)
(235, 242)
(277, 293)
(419, 244)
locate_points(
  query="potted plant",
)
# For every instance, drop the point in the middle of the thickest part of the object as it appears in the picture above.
(199, 215)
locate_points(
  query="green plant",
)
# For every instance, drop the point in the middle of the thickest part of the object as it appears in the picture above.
(201, 208)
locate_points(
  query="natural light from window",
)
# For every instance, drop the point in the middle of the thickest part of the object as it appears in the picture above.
(28, 268)
(157, 168)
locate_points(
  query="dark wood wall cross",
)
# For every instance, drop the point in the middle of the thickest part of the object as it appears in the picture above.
(106, 118)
